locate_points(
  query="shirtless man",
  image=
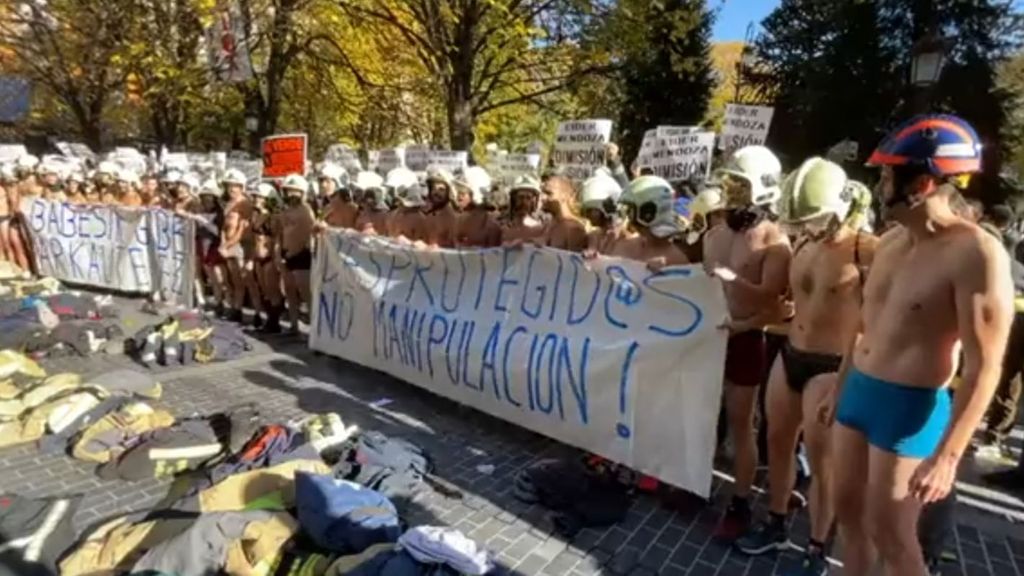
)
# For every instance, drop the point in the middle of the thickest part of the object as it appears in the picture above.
(5, 218)
(649, 204)
(522, 224)
(237, 216)
(267, 276)
(149, 190)
(374, 213)
(50, 182)
(444, 220)
(127, 183)
(9, 217)
(75, 192)
(751, 256)
(408, 223)
(706, 211)
(599, 201)
(565, 231)
(342, 211)
(293, 245)
(939, 284)
(827, 273)
(478, 227)
(330, 180)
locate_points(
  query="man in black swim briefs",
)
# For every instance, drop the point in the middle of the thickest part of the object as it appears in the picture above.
(824, 210)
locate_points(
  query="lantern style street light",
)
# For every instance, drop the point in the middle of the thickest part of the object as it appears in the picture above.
(928, 58)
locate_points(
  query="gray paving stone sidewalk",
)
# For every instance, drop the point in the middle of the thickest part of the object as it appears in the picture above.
(292, 382)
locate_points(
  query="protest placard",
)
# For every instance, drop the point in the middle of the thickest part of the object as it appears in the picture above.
(344, 156)
(508, 167)
(677, 153)
(745, 126)
(450, 160)
(580, 147)
(604, 355)
(141, 251)
(11, 152)
(227, 47)
(76, 150)
(283, 155)
(417, 157)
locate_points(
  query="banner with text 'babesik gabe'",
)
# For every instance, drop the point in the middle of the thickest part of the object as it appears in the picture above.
(140, 250)
(604, 355)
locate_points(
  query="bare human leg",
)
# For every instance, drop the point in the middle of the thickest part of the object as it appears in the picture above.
(893, 513)
(818, 440)
(851, 479)
(782, 407)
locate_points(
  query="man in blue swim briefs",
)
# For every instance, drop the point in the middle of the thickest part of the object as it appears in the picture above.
(937, 283)
(824, 210)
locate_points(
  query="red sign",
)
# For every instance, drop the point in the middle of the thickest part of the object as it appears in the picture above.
(284, 155)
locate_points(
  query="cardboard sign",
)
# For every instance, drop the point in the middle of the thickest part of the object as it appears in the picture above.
(745, 126)
(677, 153)
(344, 156)
(508, 167)
(140, 251)
(579, 147)
(604, 355)
(451, 160)
(284, 155)
(417, 157)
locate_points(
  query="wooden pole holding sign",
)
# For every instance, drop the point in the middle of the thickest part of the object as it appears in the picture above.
(283, 155)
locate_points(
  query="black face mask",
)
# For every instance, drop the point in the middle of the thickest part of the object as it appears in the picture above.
(740, 219)
(293, 200)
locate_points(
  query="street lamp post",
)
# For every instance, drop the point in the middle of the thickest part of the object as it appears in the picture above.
(928, 58)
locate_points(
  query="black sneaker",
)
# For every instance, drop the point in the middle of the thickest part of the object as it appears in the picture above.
(764, 537)
(257, 321)
(734, 524)
(814, 564)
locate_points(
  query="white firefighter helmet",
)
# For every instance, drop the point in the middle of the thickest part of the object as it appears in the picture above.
(708, 200)
(172, 176)
(476, 180)
(295, 182)
(194, 184)
(335, 172)
(75, 176)
(367, 180)
(234, 176)
(27, 162)
(108, 168)
(760, 169)
(399, 179)
(441, 176)
(653, 201)
(817, 188)
(128, 176)
(209, 187)
(8, 172)
(413, 196)
(262, 189)
(526, 183)
(598, 190)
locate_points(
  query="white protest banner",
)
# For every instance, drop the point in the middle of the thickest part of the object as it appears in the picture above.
(131, 250)
(605, 355)
(508, 167)
(745, 126)
(417, 157)
(677, 153)
(76, 150)
(11, 152)
(579, 147)
(390, 158)
(451, 160)
(253, 169)
(344, 156)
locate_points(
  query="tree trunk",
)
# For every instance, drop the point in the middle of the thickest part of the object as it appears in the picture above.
(460, 120)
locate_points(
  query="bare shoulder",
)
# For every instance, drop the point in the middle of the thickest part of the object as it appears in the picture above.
(867, 246)
(976, 249)
(774, 236)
